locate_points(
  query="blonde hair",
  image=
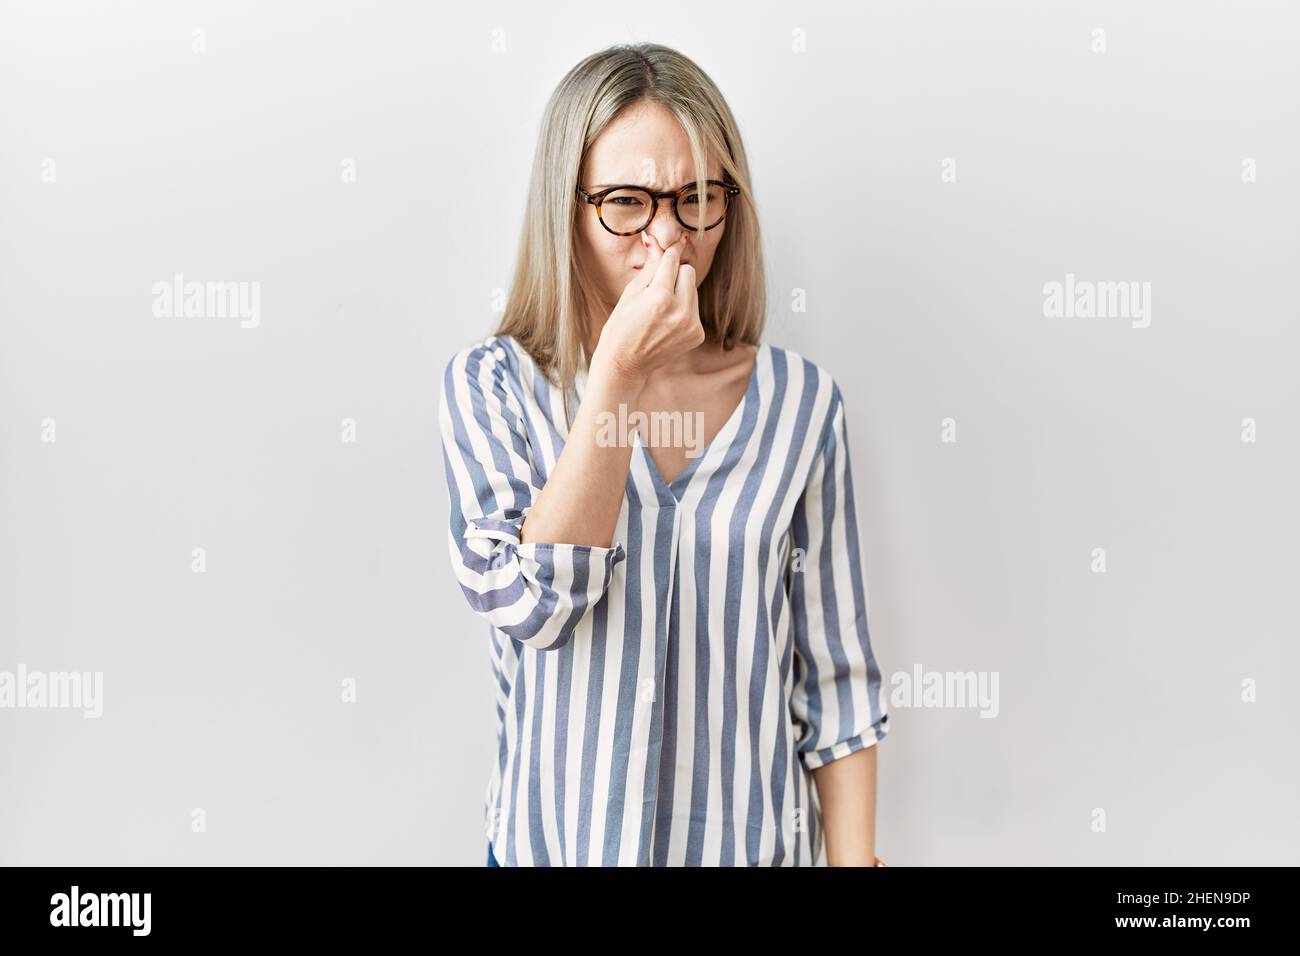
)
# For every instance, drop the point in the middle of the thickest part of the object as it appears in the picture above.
(550, 298)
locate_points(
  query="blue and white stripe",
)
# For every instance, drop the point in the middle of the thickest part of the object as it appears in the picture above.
(663, 701)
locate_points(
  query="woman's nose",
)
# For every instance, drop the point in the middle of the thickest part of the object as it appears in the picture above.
(665, 227)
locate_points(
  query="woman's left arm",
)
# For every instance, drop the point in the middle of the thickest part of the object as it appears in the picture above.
(847, 790)
(837, 702)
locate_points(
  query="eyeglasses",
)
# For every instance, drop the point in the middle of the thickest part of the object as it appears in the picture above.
(626, 210)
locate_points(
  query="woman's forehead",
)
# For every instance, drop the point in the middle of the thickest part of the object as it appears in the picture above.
(645, 145)
(656, 172)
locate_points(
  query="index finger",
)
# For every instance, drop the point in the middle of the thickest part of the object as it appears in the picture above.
(665, 276)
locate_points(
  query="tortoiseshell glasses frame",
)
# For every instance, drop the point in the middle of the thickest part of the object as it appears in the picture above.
(597, 198)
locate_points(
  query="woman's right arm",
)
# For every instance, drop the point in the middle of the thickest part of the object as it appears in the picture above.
(537, 594)
(656, 319)
(537, 588)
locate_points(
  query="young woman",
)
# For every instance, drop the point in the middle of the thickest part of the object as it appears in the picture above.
(678, 622)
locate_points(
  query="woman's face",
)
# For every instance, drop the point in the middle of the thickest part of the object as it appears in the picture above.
(643, 146)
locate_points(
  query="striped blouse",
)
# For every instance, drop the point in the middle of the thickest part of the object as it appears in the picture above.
(663, 701)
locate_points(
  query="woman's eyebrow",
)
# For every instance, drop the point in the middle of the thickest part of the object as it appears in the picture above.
(624, 182)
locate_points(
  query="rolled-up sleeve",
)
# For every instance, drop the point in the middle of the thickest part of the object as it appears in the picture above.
(837, 700)
(535, 593)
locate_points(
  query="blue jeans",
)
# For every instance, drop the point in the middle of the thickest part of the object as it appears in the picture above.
(492, 861)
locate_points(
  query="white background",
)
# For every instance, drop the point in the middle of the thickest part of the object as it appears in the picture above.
(327, 561)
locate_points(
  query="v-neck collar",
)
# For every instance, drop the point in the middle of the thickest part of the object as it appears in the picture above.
(720, 443)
